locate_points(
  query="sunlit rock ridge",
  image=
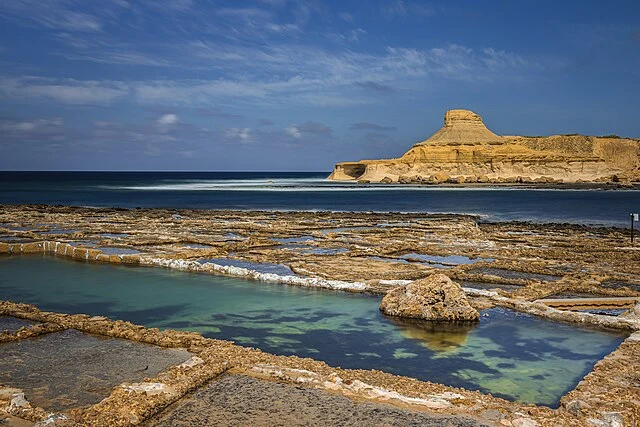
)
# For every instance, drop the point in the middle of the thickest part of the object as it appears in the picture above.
(465, 150)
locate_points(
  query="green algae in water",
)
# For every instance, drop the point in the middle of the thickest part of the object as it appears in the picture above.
(512, 355)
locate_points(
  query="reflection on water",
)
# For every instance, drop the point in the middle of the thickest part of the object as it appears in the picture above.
(436, 336)
(512, 355)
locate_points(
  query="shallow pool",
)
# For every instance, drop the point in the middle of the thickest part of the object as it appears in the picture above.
(509, 354)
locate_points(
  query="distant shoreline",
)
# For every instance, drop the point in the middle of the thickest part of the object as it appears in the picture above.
(519, 186)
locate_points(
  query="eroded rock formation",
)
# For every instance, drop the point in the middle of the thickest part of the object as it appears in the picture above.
(465, 151)
(435, 298)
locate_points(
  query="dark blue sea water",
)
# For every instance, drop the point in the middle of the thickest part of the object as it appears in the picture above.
(311, 191)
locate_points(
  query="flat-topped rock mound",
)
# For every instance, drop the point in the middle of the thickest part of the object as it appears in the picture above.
(435, 298)
(462, 127)
(465, 151)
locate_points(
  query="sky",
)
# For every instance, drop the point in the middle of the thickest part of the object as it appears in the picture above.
(295, 85)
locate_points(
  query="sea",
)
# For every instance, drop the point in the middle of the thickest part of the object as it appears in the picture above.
(311, 191)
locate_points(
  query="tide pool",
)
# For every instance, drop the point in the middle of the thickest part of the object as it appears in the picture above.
(509, 354)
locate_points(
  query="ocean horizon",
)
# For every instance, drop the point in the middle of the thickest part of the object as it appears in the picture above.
(311, 191)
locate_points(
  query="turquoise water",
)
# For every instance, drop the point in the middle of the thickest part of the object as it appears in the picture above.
(512, 355)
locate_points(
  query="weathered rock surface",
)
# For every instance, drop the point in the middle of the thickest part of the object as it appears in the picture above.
(464, 147)
(434, 298)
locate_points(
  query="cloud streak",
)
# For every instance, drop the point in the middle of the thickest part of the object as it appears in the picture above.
(285, 75)
(371, 127)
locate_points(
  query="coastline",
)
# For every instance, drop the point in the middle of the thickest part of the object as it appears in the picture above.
(362, 252)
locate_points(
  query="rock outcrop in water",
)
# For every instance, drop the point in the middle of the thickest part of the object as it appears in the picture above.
(465, 151)
(435, 298)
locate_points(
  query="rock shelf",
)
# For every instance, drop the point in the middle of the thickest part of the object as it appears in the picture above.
(541, 260)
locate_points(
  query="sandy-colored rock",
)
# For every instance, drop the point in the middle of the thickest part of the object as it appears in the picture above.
(433, 298)
(462, 127)
(31, 248)
(440, 177)
(465, 147)
(633, 312)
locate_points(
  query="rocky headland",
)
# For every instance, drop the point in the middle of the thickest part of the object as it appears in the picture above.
(465, 151)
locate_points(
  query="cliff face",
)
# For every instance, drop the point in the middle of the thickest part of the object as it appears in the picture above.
(464, 150)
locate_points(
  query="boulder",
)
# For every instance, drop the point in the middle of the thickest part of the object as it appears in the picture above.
(483, 178)
(440, 177)
(386, 180)
(524, 180)
(429, 179)
(434, 298)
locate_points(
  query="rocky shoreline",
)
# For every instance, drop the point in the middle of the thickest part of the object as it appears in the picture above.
(514, 265)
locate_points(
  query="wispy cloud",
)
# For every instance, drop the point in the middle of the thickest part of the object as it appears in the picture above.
(310, 128)
(371, 127)
(286, 75)
(293, 131)
(114, 57)
(38, 130)
(346, 17)
(69, 91)
(218, 113)
(241, 135)
(377, 87)
(407, 8)
(51, 14)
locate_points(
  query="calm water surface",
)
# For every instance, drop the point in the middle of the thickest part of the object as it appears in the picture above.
(311, 191)
(512, 355)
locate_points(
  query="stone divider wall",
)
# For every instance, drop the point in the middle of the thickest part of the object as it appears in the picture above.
(66, 250)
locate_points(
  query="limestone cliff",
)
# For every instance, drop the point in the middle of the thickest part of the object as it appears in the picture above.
(464, 150)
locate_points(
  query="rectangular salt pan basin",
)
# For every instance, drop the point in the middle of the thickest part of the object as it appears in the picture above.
(513, 274)
(307, 249)
(260, 267)
(114, 235)
(60, 231)
(118, 251)
(443, 261)
(512, 355)
(300, 239)
(195, 246)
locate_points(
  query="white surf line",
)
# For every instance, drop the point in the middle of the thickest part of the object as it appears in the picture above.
(310, 282)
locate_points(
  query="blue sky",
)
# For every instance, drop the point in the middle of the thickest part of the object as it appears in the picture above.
(300, 85)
